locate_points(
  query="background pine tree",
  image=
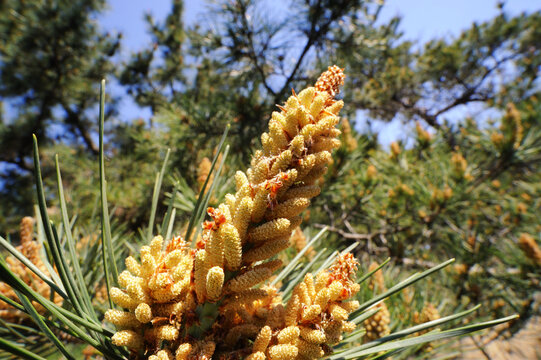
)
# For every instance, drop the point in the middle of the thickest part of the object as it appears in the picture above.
(53, 56)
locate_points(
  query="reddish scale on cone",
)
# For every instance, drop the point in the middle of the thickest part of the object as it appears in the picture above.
(344, 269)
(273, 185)
(162, 268)
(217, 216)
(177, 243)
(208, 225)
(283, 176)
(202, 240)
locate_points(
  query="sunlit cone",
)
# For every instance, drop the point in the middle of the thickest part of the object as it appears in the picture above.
(530, 248)
(31, 249)
(347, 136)
(206, 302)
(395, 149)
(429, 313)
(377, 326)
(377, 280)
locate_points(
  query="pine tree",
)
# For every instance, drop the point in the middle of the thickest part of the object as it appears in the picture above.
(52, 57)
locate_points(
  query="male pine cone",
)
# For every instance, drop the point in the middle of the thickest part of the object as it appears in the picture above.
(166, 291)
(256, 222)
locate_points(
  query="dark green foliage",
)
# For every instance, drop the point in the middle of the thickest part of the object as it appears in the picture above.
(52, 58)
(472, 201)
(425, 83)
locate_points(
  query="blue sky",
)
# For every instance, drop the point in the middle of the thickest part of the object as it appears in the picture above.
(426, 19)
(421, 20)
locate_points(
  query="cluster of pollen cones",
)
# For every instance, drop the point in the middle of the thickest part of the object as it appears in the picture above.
(211, 302)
